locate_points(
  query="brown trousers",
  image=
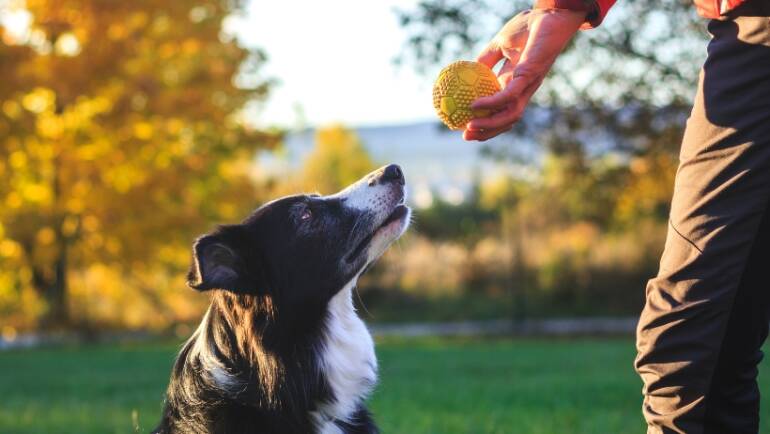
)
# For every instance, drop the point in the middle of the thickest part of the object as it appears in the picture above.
(708, 310)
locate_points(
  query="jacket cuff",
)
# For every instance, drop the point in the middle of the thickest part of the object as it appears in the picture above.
(595, 10)
(602, 7)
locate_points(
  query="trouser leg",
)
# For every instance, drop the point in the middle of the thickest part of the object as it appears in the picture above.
(705, 315)
(732, 401)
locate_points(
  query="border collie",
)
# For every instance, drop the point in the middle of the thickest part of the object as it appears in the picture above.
(281, 349)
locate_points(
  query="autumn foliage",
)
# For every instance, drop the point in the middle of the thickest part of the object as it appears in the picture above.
(120, 138)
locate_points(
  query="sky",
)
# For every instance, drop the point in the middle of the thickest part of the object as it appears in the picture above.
(333, 60)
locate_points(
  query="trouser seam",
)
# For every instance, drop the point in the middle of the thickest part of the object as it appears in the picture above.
(671, 224)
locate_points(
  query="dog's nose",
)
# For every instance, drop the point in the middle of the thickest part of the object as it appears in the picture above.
(393, 173)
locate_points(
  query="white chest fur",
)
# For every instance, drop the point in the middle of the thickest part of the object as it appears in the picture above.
(347, 360)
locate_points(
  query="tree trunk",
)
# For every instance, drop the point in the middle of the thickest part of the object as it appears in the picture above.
(58, 313)
(53, 288)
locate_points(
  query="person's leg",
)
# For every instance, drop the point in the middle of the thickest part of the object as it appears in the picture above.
(706, 313)
(732, 401)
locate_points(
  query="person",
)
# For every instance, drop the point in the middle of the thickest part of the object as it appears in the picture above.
(708, 309)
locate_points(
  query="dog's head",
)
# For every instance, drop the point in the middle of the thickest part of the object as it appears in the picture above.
(305, 248)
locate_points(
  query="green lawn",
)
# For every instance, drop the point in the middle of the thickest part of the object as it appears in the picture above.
(426, 386)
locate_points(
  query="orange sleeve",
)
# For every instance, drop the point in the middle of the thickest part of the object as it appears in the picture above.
(715, 9)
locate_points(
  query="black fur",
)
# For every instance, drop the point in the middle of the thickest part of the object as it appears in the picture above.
(271, 278)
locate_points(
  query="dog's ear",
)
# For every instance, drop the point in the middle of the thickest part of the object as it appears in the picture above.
(217, 264)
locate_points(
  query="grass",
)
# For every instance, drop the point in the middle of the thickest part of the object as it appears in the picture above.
(426, 386)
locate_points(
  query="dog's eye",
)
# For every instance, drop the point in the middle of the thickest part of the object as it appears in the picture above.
(306, 214)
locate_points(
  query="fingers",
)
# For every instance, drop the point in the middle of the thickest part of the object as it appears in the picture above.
(505, 97)
(490, 55)
(506, 72)
(484, 128)
(498, 120)
(483, 135)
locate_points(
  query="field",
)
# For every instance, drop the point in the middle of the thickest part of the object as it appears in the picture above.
(427, 386)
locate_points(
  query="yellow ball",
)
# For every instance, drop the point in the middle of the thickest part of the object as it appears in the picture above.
(457, 86)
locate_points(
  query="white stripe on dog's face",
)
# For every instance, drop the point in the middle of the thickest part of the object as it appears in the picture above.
(377, 198)
(370, 194)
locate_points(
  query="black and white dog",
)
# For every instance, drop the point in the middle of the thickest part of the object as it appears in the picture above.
(281, 349)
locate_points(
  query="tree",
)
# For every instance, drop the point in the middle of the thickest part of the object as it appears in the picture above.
(338, 159)
(120, 139)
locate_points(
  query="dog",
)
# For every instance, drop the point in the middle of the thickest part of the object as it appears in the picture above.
(281, 349)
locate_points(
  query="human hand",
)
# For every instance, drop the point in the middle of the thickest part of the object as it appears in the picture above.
(529, 43)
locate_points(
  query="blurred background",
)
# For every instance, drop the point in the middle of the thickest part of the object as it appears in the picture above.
(129, 128)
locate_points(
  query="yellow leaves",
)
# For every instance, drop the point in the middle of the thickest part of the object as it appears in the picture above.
(339, 158)
(112, 245)
(139, 101)
(143, 130)
(12, 109)
(81, 114)
(497, 191)
(137, 20)
(171, 76)
(74, 205)
(39, 100)
(69, 226)
(50, 126)
(45, 236)
(191, 46)
(124, 177)
(19, 307)
(117, 31)
(13, 200)
(174, 126)
(8, 333)
(91, 151)
(119, 131)
(649, 188)
(228, 211)
(77, 194)
(85, 108)
(170, 254)
(36, 193)
(18, 160)
(577, 238)
(167, 50)
(9, 249)
(161, 24)
(90, 223)
(121, 30)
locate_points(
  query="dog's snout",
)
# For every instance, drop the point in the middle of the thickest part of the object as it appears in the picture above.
(393, 173)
